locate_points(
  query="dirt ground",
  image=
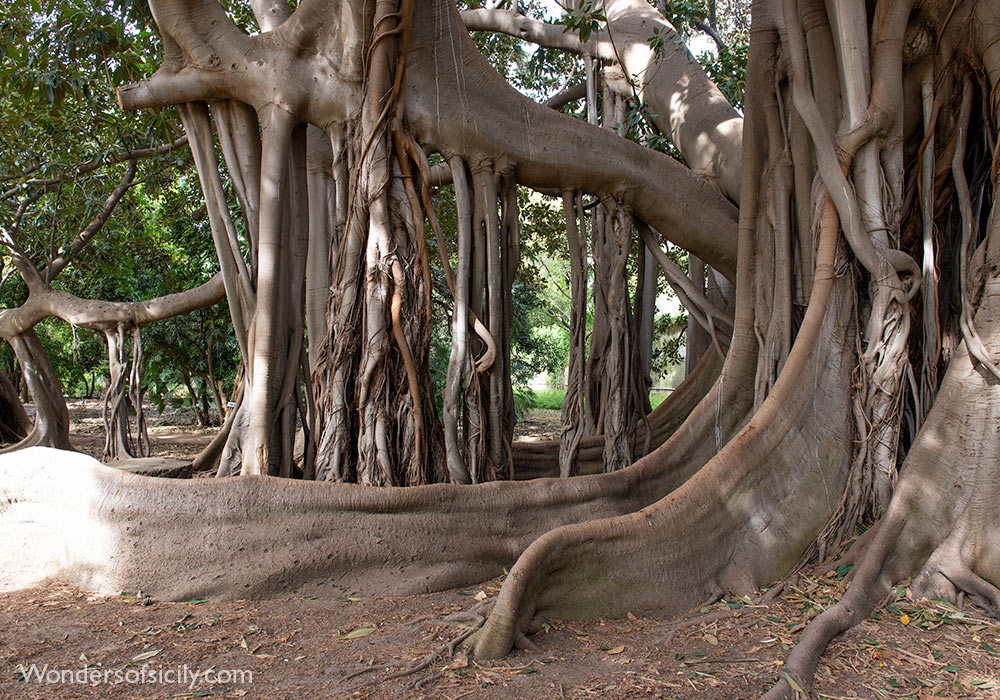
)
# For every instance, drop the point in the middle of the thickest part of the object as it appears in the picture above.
(175, 434)
(59, 642)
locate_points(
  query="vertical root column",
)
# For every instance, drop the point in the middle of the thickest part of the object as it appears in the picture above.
(374, 380)
(459, 361)
(117, 440)
(619, 399)
(573, 404)
(124, 396)
(479, 365)
(336, 458)
(510, 259)
(135, 394)
(492, 390)
(51, 428)
(263, 452)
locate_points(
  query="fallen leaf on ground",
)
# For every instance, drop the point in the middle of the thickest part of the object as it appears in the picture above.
(146, 655)
(359, 632)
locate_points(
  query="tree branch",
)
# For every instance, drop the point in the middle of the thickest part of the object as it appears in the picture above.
(528, 29)
(92, 165)
(164, 89)
(96, 224)
(100, 315)
(716, 37)
(564, 97)
(27, 269)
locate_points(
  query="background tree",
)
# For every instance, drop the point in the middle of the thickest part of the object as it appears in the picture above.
(69, 157)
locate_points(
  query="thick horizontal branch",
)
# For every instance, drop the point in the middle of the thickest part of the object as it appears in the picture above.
(100, 315)
(564, 97)
(164, 89)
(537, 32)
(681, 99)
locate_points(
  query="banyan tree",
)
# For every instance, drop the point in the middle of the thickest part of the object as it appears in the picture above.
(852, 375)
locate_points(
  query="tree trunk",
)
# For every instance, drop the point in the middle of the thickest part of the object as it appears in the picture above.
(51, 428)
(797, 439)
(14, 423)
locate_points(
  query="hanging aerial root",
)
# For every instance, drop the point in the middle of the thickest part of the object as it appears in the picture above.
(573, 403)
(972, 338)
(413, 383)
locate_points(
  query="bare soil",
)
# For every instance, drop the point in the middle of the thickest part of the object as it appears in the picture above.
(174, 434)
(129, 646)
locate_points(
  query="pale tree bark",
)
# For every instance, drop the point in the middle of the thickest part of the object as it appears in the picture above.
(51, 428)
(686, 105)
(761, 473)
(573, 404)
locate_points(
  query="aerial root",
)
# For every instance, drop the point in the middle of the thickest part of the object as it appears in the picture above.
(863, 596)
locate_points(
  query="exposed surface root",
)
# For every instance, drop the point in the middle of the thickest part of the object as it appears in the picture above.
(469, 620)
(732, 525)
(937, 523)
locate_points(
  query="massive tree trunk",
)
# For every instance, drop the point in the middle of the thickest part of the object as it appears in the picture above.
(376, 423)
(797, 439)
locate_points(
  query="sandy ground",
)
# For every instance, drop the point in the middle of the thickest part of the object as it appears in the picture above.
(129, 646)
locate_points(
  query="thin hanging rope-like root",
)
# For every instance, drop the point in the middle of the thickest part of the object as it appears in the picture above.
(972, 339)
(399, 280)
(420, 159)
(417, 214)
(696, 303)
(135, 391)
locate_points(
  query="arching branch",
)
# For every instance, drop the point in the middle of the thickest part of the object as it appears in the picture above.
(59, 263)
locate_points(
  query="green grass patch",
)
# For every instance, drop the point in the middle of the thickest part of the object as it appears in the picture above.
(553, 399)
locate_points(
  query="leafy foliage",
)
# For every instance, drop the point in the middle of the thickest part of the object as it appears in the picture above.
(583, 19)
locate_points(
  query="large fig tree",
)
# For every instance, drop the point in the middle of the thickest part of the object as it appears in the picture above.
(860, 376)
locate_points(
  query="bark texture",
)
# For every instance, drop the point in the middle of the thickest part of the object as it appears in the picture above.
(868, 145)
